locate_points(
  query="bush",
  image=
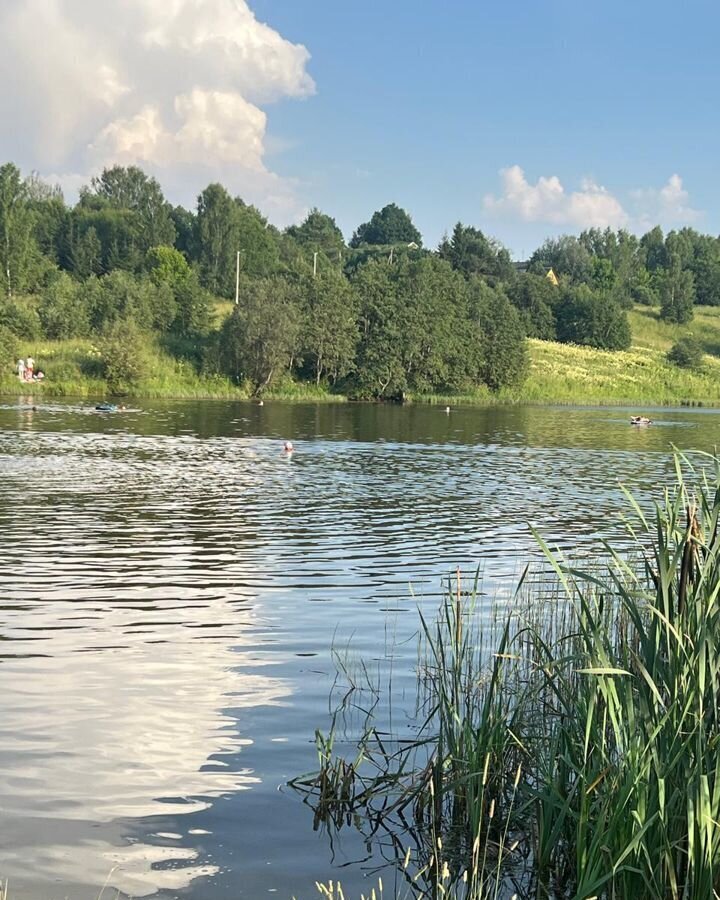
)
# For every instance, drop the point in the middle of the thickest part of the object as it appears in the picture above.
(124, 357)
(19, 317)
(686, 353)
(8, 347)
(119, 297)
(64, 370)
(62, 311)
(595, 320)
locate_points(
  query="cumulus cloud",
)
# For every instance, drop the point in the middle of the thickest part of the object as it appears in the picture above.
(175, 86)
(548, 201)
(592, 205)
(668, 206)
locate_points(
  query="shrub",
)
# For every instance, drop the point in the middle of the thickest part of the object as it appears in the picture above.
(64, 370)
(19, 317)
(62, 311)
(584, 317)
(686, 353)
(119, 297)
(124, 357)
(8, 347)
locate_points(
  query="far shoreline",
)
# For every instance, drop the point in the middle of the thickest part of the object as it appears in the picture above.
(91, 393)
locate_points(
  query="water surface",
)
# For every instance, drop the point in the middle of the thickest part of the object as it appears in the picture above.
(172, 584)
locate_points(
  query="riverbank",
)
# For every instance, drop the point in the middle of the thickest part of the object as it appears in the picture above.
(558, 373)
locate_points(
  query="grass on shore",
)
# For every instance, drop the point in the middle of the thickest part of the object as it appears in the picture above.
(70, 369)
(579, 759)
(558, 373)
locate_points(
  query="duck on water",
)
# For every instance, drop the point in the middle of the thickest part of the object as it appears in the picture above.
(640, 420)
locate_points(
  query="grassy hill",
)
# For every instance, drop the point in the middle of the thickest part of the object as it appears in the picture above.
(563, 373)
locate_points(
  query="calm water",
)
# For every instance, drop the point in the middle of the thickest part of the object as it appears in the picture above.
(172, 585)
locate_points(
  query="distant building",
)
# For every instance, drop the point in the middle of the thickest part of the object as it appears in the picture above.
(549, 272)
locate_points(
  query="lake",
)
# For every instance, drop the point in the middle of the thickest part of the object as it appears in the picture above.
(172, 586)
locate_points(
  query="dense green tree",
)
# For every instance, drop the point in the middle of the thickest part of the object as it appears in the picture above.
(706, 274)
(18, 250)
(226, 227)
(677, 293)
(566, 256)
(416, 333)
(124, 356)
(680, 247)
(62, 311)
(83, 251)
(390, 225)
(504, 351)
(131, 189)
(439, 348)
(642, 288)
(257, 241)
(9, 349)
(20, 317)
(585, 317)
(652, 245)
(50, 216)
(217, 239)
(185, 225)
(167, 266)
(534, 297)
(102, 237)
(617, 262)
(699, 254)
(380, 368)
(260, 340)
(470, 252)
(318, 233)
(121, 297)
(602, 274)
(330, 330)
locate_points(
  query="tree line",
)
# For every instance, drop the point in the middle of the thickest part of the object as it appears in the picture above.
(376, 317)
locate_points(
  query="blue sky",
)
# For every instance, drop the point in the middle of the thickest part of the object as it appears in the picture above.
(526, 119)
(424, 104)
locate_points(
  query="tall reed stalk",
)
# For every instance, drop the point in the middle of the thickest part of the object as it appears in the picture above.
(581, 757)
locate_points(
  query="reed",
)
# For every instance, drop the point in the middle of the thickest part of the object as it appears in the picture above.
(581, 757)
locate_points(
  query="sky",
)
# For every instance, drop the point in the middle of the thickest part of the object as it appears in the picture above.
(526, 118)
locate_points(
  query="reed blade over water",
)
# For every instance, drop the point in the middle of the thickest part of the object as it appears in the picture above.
(573, 749)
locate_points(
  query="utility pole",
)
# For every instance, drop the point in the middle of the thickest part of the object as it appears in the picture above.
(315, 256)
(237, 279)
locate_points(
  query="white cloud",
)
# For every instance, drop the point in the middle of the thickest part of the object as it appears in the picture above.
(668, 206)
(548, 201)
(175, 86)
